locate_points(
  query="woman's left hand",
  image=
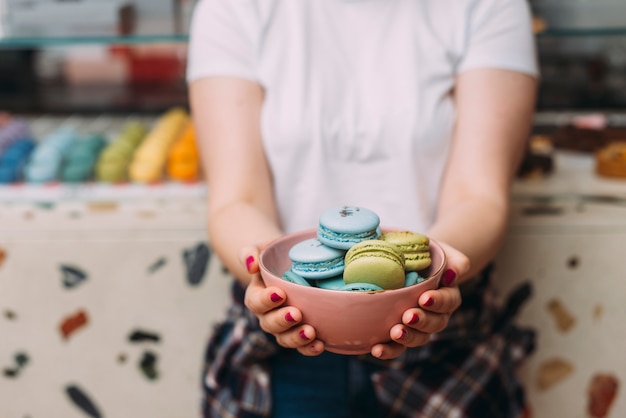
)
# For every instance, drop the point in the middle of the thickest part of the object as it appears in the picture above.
(433, 310)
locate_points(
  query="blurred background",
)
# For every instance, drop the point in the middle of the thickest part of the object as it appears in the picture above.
(108, 287)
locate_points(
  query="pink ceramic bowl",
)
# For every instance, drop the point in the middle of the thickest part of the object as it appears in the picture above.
(347, 322)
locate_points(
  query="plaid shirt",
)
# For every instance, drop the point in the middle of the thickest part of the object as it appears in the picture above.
(467, 370)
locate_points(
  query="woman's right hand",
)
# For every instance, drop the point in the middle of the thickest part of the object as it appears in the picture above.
(276, 318)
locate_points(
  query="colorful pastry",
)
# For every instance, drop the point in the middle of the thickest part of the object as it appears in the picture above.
(46, 160)
(183, 162)
(313, 260)
(330, 283)
(361, 287)
(610, 160)
(114, 159)
(14, 159)
(292, 277)
(148, 164)
(344, 226)
(415, 248)
(411, 278)
(12, 129)
(81, 159)
(376, 262)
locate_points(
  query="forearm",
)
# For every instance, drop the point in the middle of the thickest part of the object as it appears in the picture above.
(235, 226)
(476, 227)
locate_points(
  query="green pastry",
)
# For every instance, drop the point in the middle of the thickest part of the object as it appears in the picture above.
(414, 246)
(376, 262)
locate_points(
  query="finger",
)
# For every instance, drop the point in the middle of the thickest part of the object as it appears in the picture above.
(387, 351)
(423, 321)
(408, 337)
(313, 349)
(442, 300)
(260, 299)
(249, 257)
(280, 320)
(296, 337)
(457, 265)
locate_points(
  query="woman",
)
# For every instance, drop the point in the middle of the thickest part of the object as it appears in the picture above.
(418, 110)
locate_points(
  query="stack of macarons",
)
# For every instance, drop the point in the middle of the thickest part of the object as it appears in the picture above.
(148, 164)
(81, 158)
(183, 162)
(350, 252)
(114, 160)
(45, 162)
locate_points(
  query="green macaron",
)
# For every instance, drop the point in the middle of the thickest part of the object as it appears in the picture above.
(414, 246)
(377, 262)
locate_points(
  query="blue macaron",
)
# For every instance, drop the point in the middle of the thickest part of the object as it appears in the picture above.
(411, 278)
(331, 283)
(344, 226)
(292, 277)
(312, 259)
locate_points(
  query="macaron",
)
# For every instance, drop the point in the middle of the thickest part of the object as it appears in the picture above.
(292, 277)
(114, 159)
(411, 278)
(376, 262)
(150, 159)
(81, 158)
(330, 283)
(14, 159)
(414, 246)
(361, 287)
(312, 259)
(344, 226)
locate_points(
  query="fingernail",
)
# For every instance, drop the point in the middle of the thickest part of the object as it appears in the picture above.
(448, 277)
(303, 335)
(402, 334)
(414, 319)
(289, 318)
(275, 297)
(249, 262)
(429, 302)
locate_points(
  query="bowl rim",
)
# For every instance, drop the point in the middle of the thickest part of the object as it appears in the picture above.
(313, 231)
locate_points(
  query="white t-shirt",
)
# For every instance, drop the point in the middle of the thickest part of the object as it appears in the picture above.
(358, 107)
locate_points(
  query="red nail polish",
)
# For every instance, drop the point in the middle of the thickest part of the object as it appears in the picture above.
(249, 262)
(289, 318)
(403, 334)
(303, 335)
(429, 302)
(414, 319)
(275, 297)
(448, 277)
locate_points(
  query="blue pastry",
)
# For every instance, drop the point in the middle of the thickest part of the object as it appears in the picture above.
(332, 283)
(361, 287)
(13, 160)
(313, 260)
(344, 226)
(46, 160)
(411, 278)
(292, 277)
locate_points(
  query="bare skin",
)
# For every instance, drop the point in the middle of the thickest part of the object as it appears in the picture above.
(494, 110)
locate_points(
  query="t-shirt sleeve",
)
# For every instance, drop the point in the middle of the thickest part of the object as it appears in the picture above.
(221, 40)
(500, 36)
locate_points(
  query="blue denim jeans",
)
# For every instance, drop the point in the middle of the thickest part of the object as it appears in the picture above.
(326, 386)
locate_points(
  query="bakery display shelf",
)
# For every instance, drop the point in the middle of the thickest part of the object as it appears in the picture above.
(51, 41)
(89, 192)
(574, 178)
(582, 32)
